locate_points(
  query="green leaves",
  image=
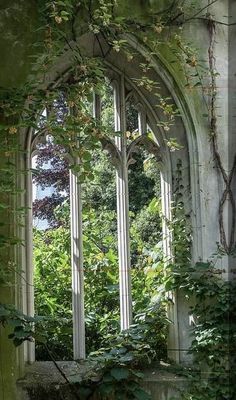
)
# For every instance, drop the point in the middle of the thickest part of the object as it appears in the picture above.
(214, 313)
(140, 394)
(119, 373)
(20, 324)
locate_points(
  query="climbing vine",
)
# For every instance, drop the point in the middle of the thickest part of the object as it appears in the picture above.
(214, 312)
(79, 133)
(227, 244)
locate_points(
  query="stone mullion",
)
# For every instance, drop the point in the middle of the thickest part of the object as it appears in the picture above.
(77, 257)
(123, 209)
(96, 106)
(77, 268)
(30, 354)
(142, 121)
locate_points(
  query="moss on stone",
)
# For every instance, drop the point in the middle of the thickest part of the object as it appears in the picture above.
(18, 24)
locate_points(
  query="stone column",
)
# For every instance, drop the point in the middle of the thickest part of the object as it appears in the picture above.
(29, 269)
(77, 268)
(123, 209)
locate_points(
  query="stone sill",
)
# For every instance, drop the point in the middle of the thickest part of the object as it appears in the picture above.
(43, 381)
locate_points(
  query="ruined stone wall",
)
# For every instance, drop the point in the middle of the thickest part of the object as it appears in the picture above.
(18, 22)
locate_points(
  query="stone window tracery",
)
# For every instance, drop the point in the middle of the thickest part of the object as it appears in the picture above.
(132, 129)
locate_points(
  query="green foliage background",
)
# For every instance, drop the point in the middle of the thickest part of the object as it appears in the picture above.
(101, 271)
(55, 15)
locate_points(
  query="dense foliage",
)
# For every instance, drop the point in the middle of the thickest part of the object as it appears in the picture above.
(214, 338)
(58, 33)
(52, 258)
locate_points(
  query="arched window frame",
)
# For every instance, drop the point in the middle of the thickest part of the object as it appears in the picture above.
(166, 168)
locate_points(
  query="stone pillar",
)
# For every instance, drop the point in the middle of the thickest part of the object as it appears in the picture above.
(29, 270)
(77, 268)
(123, 209)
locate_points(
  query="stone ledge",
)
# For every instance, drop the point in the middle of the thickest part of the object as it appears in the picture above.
(163, 385)
(43, 381)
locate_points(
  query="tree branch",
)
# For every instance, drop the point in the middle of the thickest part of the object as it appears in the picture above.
(200, 11)
(73, 390)
(213, 20)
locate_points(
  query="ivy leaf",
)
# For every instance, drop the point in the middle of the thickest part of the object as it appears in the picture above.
(108, 378)
(14, 322)
(202, 265)
(21, 333)
(140, 394)
(127, 357)
(106, 388)
(119, 373)
(4, 312)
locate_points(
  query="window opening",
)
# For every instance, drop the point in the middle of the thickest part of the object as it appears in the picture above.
(51, 254)
(128, 140)
(100, 254)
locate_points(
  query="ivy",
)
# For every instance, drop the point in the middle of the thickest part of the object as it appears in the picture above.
(214, 339)
(20, 324)
(214, 309)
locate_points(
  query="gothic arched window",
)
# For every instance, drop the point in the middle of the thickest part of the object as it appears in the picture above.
(129, 118)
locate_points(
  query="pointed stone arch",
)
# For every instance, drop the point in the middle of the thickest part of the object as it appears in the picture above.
(120, 70)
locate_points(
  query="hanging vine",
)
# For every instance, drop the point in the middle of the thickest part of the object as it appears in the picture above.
(227, 244)
(22, 109)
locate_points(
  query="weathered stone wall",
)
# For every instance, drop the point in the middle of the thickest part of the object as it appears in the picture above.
(19, 21)
(205, 185)
(43, 381)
